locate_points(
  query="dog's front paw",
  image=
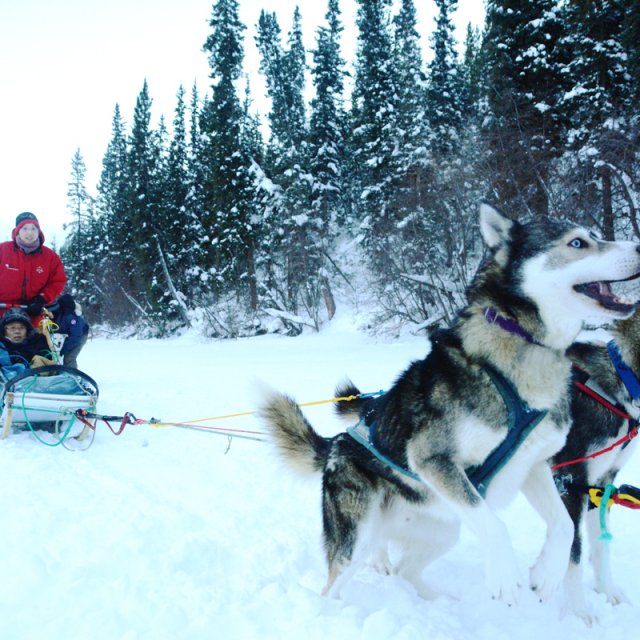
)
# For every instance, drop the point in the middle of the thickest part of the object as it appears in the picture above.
(547, 575)
(381, 562)
(580, 610)
(503, 583)
(574, 602)
(545, 580)
(615, 595)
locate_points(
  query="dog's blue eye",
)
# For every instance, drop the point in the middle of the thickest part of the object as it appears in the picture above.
(578, 243)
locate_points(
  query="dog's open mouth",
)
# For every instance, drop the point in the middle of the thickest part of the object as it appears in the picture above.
(623, 300)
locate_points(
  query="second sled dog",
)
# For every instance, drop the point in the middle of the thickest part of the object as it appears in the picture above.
(595, 428)
(447, 414)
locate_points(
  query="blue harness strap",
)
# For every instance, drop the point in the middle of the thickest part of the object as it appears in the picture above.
(521, 421)
(624, 371)
(361, 433)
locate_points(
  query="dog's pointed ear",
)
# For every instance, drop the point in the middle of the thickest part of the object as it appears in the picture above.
(494, 227)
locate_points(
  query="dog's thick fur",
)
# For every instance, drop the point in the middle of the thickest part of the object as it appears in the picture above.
(595, 428)
(444, 415)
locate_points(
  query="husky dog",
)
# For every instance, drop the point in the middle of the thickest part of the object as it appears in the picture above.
(596, 426)
(446, 416)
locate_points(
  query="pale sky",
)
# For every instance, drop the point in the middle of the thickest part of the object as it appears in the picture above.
(64, 64)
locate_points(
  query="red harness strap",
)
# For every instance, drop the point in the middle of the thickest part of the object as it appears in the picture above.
(603, 401)
(633, 431)
(630, 436)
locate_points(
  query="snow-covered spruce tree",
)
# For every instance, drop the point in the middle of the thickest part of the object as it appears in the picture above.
(82, 251)
(291, 260)
(403, 298)
(474, 77)
(252, 146)
(228, 235)
(445, 87)
(411, 154)
(175, 179)
(452, 131)
(80, 207)
(172, 223)
(433, 254)
(145, 287)
(602, 164)
(194, 276)
(327, 145)
(631, 40)
(373, 136)
(525, 76)
(112, 208)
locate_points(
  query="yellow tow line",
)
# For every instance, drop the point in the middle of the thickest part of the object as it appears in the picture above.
(247, 413)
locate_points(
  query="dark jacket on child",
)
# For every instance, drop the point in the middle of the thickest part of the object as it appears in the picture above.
(34, 344)
(75, 327)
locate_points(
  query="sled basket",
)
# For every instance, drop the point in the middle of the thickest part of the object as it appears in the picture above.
(47, 399)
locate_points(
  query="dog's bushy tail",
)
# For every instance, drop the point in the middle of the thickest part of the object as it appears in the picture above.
(348, 409)
(296, 440)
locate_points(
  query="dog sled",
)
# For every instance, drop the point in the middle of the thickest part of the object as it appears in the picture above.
(46, 401)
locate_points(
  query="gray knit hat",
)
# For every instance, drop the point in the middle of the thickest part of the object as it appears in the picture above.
(14, 314)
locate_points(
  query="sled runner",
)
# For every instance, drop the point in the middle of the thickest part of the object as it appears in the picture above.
(47, 399)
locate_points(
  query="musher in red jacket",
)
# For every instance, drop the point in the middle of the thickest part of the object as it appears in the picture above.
(30, 273)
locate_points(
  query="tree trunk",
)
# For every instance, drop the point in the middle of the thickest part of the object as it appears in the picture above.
(329, 300)
(607, 205)
(174, 294)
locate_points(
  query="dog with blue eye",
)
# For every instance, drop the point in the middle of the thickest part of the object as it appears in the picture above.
(466, 428)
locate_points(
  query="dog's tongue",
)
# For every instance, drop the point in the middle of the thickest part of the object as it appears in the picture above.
(603, 293)
(597, 290)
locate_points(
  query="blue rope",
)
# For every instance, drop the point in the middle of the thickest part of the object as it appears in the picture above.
(605, 536)
(609, 490)
(372, 394)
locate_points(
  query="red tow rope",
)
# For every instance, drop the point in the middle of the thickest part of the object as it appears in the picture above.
(128, 418)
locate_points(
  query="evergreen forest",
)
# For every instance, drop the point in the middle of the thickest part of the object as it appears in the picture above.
(370, 188)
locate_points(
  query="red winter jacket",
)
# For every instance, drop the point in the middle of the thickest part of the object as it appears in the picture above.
(25, 275)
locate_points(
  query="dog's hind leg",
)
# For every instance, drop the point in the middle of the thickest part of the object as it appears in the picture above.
(348, 502)
(551, 566)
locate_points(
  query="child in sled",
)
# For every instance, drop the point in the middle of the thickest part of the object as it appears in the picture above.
(21, 342)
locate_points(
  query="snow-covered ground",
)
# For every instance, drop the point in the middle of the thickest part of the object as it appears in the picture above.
(166, 533)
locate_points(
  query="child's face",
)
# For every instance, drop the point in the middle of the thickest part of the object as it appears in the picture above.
(15, 331)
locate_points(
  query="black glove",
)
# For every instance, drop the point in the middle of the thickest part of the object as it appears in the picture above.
(34, 308)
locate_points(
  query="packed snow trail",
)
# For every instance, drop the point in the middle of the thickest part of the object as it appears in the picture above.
(172, 534)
